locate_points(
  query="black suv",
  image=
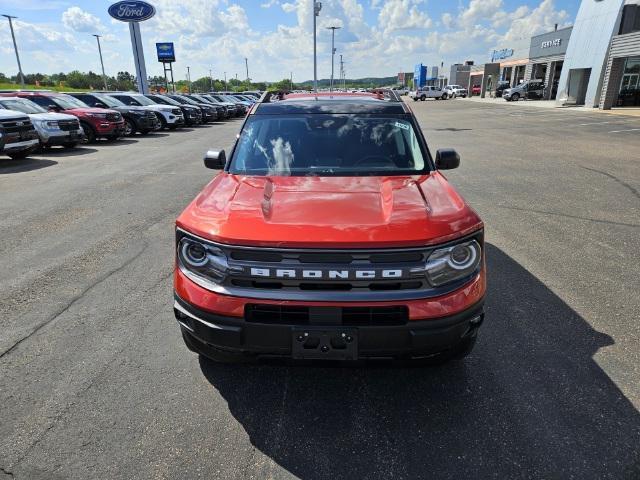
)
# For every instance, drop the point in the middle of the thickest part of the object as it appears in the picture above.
(136, 119)
(192, 114)
(209, 113)
(220, 110)
(19, 135)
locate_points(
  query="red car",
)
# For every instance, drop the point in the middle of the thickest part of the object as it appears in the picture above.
(330, 233)
(96, 122)
(475, 90)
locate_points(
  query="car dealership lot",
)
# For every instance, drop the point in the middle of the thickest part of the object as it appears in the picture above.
(95, 381)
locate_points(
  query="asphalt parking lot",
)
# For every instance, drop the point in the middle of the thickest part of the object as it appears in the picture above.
(95, 381)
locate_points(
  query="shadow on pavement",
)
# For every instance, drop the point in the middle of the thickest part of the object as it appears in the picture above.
(25, 165)
(66, 152)
(530, 402)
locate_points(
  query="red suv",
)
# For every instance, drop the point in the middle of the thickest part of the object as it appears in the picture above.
(96, 122)
(330, 233)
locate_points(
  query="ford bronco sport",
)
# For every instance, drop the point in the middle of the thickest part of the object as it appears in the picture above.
(330, 233)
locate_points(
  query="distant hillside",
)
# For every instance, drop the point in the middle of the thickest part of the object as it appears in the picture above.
(364, 82)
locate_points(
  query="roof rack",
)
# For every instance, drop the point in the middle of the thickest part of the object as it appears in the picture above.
(381, 93)
(387, 94)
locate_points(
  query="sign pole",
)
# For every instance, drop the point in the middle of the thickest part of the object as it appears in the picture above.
(138, 57)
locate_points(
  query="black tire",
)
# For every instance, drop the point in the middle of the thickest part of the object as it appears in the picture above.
(89, 132)
(172, 127)
(163, 122)
(515, 97)
(444, 96)
(423, 98)
(415, 99)
(129, 127)
(19, 155)
(70, 145)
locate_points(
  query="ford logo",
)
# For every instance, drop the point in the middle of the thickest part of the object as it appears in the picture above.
(132, 11)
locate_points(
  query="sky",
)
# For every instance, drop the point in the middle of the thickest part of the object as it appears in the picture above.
(377, 37)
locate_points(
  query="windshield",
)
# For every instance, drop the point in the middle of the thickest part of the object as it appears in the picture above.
(189, 101)
(24, 106)
(164, 100)
(328, 145)
(142, 100)
(229, 98)
(109, 101)
(200, 98)
(68, 102)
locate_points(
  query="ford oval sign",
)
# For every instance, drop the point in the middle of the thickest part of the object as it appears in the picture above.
(132, 11)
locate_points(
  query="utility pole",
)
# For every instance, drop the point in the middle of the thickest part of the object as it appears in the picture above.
(15, 47)
(104, 77)
(210, 80)
(333, 52)
(291, 80)
(246, 64)
(341, 68)
(189, 78)
(317, 6)
(225, 81)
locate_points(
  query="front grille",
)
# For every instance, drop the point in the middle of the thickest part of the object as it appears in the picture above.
(345, 316)
(69, 125)
(176, 111)
(114, 117)
(16, 125)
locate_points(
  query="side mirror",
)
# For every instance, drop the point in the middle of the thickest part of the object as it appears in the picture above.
(215, 159)
(447, 159)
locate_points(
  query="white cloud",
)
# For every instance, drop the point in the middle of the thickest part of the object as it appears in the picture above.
(78, 20)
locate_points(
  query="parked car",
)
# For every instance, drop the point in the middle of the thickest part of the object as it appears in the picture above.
(455, 91)
(209, 111)
(500, 88)
(429, 91)
(221, 112)
(52, 128)
(231, 109)
(95, 122)
(168, 116)
(184, 100)
(191, 113)
(533, 89)
(344, 275)
(19, 135)
(136, 119)
(3, 138)
(401, 90)
(475, 90)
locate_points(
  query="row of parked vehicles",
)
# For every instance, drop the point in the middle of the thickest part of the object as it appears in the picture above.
(32, 120)
(439, 93)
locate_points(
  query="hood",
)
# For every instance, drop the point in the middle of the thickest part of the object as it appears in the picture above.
(329, 212)
(91, 110)
(160, 108)
(51, 116)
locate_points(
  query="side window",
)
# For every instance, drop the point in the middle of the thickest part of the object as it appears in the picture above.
(86, 99)
(44, 102)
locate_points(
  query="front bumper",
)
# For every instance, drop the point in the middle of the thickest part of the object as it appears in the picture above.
(63, 138)
(211, 332)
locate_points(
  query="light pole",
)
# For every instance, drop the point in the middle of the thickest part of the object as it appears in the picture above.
(15, 47)
(210, 80)
(225, 81)
(246, 64)
(333, 52)
(189, 78)
(317, 6)
(291, 80)
(104, 77)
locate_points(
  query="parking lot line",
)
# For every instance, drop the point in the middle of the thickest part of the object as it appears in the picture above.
(629, 130)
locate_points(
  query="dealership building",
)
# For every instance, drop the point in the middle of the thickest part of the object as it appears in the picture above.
(602, 62)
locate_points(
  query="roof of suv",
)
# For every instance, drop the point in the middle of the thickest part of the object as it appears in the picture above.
(329, 103)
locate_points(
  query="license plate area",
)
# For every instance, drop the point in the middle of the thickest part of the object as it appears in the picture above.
(321, 343)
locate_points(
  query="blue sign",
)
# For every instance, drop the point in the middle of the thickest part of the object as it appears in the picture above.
(501, 54)
(166, 53)
(132, 11)
(420, 75)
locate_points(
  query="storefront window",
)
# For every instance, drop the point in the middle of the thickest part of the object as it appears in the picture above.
(629, 95)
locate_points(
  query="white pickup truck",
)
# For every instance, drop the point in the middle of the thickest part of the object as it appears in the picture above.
(423, 93)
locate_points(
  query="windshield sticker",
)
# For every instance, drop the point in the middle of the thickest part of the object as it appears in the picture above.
(402, 125)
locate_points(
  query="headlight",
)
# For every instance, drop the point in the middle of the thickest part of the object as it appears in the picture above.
(97, 115)
(47, 124)
(201, 260)
(140, 113)
(456, 262)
